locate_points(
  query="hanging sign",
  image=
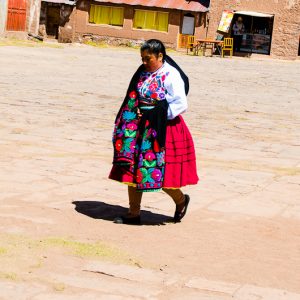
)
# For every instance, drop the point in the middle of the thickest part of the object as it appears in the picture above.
(226, 20)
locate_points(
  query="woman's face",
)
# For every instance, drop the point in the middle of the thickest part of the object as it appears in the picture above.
(151, 61)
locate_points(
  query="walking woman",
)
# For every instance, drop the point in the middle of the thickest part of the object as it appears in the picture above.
(153, 148)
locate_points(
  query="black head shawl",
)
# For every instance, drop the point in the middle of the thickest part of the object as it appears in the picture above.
(185, 79)
(171, 62)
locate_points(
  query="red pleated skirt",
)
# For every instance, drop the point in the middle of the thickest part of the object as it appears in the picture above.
(180, 158)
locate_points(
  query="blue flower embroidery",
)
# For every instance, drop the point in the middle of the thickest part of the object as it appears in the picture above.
(128, 115)
(145, 145)
(147, 175)
(126, 145)
(160, 156)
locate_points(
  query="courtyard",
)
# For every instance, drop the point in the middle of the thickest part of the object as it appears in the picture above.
(241, 235)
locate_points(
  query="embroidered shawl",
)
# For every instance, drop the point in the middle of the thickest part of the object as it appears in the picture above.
(139, 141)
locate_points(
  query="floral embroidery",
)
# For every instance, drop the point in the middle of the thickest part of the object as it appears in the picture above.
(139, 176)
(150, 156)
(147, 175)
(132, 95)
(131, 126)
(119, 145)
(151, 85)
(140, 163)
(125, 132)
(145, 145)
(131, 103)
(138, 147)
(129, 115)
(156, 175)
(160, 158)
(127, 145)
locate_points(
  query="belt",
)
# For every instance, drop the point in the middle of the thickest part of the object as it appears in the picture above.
(147, 103)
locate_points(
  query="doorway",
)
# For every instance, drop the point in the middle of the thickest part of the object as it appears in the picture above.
(257, 36)
(16, 15)
(188, 24)
(50, 19)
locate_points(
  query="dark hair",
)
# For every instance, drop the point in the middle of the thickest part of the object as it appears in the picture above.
(155, 47)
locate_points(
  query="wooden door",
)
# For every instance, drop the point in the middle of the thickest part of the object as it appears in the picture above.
(16, 15)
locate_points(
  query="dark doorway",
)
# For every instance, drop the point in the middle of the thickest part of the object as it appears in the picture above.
(257, 35)
(50, 18)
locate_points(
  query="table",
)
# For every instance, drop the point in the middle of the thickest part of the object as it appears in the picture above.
(208, 44)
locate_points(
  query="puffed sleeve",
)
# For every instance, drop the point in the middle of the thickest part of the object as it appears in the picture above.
(175, 94)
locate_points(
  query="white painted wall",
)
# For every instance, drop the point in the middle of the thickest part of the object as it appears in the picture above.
(34, 16)
(3, 15)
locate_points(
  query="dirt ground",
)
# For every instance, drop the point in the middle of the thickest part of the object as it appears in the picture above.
(240, 238)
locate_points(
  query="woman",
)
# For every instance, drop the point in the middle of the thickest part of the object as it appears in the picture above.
(153, 148)
(238, 31)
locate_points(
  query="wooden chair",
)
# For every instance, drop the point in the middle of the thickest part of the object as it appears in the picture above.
(227, 46)
(208, 46)
(218, 48)
(190, 43)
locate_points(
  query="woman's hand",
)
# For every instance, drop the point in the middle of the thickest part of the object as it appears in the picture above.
(139, 114)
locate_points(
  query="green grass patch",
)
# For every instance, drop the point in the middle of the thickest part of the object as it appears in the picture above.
(9, 276)
(96, 44)
(27, 43)
(82, 249)
(3, 250)
(18, 245)
(59, 287)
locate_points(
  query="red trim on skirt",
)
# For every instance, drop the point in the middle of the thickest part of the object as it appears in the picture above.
(180, 168)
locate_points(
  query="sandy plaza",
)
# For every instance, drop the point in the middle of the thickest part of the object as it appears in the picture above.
(240, 238)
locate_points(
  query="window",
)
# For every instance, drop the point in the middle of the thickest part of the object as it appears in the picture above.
(106, 15)
(146, 19)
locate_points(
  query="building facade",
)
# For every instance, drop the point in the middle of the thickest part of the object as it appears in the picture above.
(271, 27)
(3, 15)
(133, 21)
(18, 17)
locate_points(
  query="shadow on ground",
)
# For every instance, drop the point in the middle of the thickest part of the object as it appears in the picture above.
(104, 211)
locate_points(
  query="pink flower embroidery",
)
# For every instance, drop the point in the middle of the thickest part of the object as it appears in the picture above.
(132, 145)
(153, 86)
(131, 126)
(150, 156)
(156, 175)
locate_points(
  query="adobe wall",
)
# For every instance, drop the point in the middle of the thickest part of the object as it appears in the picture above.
(286, 30)
(67, 24)
(83, 28)
(33, 16)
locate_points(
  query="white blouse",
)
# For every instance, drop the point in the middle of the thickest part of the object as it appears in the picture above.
(165, 83)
